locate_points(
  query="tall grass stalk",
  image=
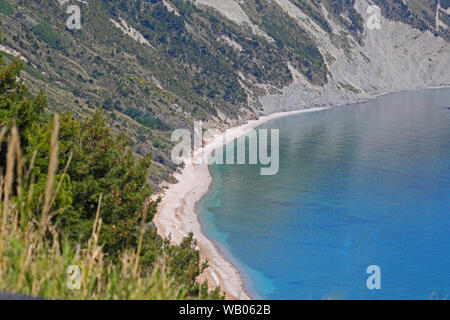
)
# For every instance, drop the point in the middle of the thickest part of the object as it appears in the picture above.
(34, 258)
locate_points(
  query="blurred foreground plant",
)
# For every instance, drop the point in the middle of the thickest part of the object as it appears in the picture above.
(34, 258)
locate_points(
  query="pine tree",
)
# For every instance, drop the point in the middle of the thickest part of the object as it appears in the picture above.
(17, 105)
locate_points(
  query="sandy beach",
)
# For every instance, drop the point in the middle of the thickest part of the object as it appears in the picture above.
(177, 214)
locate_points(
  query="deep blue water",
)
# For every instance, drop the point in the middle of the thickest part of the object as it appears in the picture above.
(359, 185)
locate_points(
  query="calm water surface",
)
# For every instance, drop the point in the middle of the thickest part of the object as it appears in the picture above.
(359, 185)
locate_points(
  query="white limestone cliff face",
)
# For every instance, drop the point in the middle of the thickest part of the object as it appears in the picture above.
(395, 58)
(399, 58)
(320, 36)
(12, 52)
(130, 31)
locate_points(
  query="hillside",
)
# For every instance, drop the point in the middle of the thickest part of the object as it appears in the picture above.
(156, 65)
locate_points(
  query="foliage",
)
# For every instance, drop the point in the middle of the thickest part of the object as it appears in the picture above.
(197, 65)
(293, 42)
(347, 16)
(86, 161)
(419, 14)
(6, 8)
(17, 106)
(47, 34)
(315, 12)
(34, 260)
(146, 119)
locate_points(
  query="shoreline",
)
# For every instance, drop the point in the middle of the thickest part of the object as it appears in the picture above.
(177, 214)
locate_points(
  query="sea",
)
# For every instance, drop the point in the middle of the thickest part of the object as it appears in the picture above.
(360, 185)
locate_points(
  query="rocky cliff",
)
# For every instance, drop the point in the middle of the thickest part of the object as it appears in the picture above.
(396, 57)
(157, 65)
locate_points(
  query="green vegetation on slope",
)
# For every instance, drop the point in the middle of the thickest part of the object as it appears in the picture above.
(293, 42)
(61, 187)
(35, 260)
(6, 8)
(44, 31)
(421, 14)
(197, 65)
(346, 16)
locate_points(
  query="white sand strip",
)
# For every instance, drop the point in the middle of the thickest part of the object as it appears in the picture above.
(177, 215)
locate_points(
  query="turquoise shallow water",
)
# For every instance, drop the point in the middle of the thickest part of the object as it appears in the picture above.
(359, 185)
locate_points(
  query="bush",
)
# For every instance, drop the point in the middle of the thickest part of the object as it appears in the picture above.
(34, 260)
(44, 31)
(55, 202)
